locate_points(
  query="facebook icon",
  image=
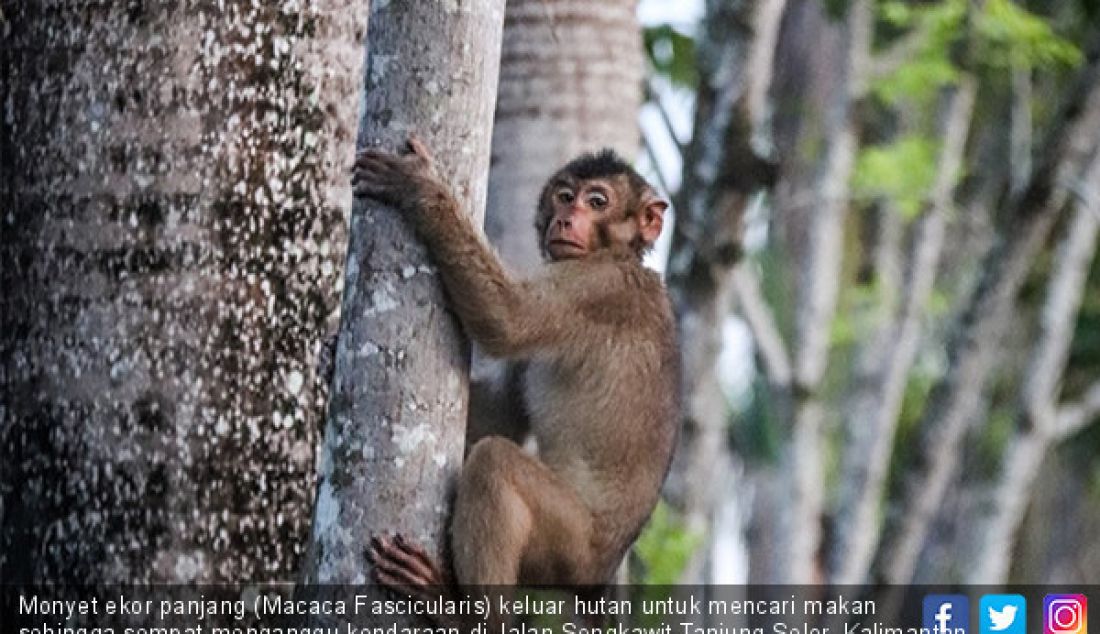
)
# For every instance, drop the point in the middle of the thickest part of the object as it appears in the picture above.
(946, 614)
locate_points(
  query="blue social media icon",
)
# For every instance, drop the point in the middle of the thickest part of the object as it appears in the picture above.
(946, 613)
(1002, 614)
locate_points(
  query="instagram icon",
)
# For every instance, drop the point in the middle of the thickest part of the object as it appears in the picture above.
(1065, 614)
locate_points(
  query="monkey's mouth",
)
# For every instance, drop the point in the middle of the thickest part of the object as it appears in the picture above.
(560, 247)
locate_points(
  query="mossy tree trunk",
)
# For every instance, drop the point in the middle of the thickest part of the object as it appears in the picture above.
(171, 185)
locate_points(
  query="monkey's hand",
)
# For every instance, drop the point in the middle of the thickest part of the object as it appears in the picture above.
(404, 180)
(404, 566)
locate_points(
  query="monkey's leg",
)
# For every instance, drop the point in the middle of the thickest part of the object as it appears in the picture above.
(517, 521)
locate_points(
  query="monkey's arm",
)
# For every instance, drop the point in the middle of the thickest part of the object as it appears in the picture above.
(508, 318)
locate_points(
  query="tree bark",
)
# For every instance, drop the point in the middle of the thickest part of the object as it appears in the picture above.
(171, 227)
(396, 420)
(570, 81)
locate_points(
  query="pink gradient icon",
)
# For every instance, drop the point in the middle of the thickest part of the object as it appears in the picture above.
(1065, 614)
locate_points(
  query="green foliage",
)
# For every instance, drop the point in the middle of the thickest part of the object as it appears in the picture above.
(665, 547)
(992, 441)
(939, 303)
(918, 388)
(758, 434)
(930, 68)
(1005, 35)
(672, 55)
(917, 80)
(861, 310)
(902, 171)
(1011, 37)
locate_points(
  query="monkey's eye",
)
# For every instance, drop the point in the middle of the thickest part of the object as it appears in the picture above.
(597, 201)
(564, 196)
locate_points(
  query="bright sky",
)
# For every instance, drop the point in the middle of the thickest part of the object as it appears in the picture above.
(682, 14)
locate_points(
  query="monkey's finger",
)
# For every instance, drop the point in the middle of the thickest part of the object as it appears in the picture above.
(372, 186)
(416, 556)
(417, 147)
(418, 563)
(395, 572)
(363, 189)
(390, 582)
(374, 163)
(421, 154)
(416, 552)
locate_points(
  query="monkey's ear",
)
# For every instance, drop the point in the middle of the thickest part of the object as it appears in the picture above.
(652, 218)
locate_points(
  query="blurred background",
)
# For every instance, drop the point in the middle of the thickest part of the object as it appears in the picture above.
(883, 261)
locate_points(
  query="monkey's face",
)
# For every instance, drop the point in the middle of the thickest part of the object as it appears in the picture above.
(597, 203)
(578, 210)
(579, 217)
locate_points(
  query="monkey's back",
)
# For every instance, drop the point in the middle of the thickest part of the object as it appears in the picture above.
(606, 410)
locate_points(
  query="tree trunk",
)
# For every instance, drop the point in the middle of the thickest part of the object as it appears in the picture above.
(1038, 422)
(820, 75)
(722, 173)
(170, 229)
(570, 81)
(396, 420)
(876, 400)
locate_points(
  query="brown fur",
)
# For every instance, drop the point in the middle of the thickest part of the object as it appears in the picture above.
(598, 385)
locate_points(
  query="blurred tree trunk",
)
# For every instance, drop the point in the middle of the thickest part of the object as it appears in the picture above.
(396, 420)
(570, 81)
(973, 349)
(1042, 422)
(724, 168)
(173, 175)
(887, 356)
(821, 72)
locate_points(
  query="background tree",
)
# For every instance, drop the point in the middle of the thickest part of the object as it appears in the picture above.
(396, 420)
(569, 70)
(903, 222)
(171, 177)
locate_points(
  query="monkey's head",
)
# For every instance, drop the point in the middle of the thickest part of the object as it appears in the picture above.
(598, 203)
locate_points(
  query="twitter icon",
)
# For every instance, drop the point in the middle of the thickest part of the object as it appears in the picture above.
(1002, 614)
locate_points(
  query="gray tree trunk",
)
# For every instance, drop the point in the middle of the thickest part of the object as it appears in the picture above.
(723, 171)
(396, 421)
(821, 71)
(570, 81)
(171, 179)
(875, 404)
(1039, 424)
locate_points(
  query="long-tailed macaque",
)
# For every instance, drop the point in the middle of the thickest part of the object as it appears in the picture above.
(597, 376)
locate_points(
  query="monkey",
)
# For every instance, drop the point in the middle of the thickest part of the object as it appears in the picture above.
(595, 376)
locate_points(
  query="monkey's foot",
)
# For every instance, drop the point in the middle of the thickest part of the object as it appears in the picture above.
(404, 566)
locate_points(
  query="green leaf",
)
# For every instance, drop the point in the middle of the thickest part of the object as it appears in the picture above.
(665, 547)
(672, 54)
(918, 80)
(1011, 37)
(902, 171)
(896, 13)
